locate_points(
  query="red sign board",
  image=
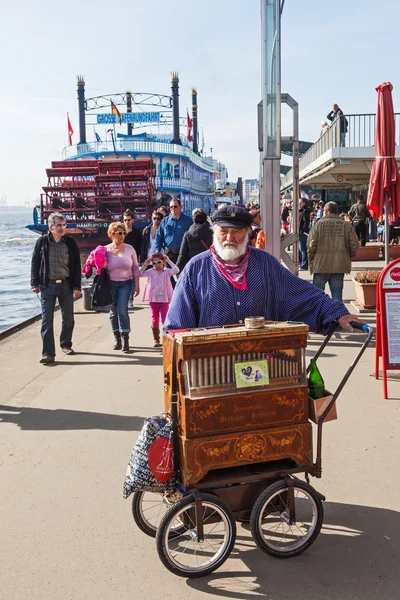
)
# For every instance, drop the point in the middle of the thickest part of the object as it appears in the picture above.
(388, 321)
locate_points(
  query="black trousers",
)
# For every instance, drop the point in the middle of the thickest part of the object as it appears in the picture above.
(360, 228)
(173, 256)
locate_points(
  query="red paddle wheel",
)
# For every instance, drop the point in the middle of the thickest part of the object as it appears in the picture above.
(92, 193)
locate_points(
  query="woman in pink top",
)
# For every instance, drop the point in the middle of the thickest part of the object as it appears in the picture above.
(123, 267)
(158, 291)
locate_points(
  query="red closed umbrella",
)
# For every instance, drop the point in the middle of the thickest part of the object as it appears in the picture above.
(384, 186)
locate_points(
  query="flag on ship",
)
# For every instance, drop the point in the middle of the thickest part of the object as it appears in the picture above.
(98, 138)
(70, 130)
(115, 111)
(189, 127)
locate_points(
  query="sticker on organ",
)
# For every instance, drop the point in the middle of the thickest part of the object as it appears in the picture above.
(251, 373)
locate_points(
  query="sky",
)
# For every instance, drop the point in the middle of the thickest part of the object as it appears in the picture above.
(332, 52)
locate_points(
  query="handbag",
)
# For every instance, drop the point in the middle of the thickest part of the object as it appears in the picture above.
(101, 294)
(151, 464)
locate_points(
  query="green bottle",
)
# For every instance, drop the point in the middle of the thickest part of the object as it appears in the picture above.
(316, 385)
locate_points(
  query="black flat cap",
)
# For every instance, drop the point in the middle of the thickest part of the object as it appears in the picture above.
(232, 216)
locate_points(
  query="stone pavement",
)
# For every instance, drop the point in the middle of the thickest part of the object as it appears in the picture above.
(66, 434)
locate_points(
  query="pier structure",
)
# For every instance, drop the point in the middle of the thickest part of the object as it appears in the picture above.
(66, 434)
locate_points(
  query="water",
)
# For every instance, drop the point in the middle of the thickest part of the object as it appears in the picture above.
(17, 302)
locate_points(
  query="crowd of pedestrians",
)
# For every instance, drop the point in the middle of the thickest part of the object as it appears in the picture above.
(327, 242)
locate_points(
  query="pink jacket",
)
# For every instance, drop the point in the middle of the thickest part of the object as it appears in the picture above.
(97, 258)
(158, 287)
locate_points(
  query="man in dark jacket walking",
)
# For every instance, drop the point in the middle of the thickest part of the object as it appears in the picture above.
(134, 239)
(133, 236)
(304, 228)
(197, 239)
(56, 274)
(337, 113)
(359, 214)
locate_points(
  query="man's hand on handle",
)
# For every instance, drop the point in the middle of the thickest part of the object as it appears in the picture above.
(36, 290)
(345, 321)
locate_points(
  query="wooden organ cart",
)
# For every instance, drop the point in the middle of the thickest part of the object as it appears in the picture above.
(242, 398)
(239, 402)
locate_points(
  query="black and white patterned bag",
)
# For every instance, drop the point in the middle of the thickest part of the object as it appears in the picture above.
(139, 475)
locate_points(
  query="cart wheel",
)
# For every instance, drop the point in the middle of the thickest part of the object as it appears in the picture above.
(183, 554)
(149, 508)
(270, 525)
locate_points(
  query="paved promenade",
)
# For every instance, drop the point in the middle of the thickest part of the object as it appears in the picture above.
(66, 431)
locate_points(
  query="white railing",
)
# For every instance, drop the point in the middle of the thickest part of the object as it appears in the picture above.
(176, 183)
(183, 183)
(136, 147)
(360, 134)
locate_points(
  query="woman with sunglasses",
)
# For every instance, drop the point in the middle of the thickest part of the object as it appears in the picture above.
(123, 266)
(149, 236)
(158, 290)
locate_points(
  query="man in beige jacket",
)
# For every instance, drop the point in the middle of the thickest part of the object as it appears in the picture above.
(331, 245)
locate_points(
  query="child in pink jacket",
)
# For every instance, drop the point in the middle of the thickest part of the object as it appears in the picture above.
(158, 291)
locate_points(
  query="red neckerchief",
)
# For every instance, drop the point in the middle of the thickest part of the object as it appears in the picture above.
(235, 274)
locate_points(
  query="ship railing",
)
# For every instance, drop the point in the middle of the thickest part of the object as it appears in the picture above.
(360, 134)
(183, 183)
(136, 147)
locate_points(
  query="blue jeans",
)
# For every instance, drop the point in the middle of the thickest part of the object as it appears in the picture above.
(303, 251)
(342, 140)
(335, 281)
(131, 293)
(48, 296)
(119, 317)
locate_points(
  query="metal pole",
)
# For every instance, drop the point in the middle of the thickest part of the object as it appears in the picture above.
(387, 229)
(271, 95)
(81, 107)
(194, 121)
(175, 108)
(129, 110)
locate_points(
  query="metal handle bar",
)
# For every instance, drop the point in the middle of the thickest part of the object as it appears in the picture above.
(361, 327)
(370, 332)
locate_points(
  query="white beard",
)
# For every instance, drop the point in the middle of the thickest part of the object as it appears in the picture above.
(231, 252)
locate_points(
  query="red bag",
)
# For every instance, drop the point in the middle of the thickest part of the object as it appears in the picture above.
(160, 457)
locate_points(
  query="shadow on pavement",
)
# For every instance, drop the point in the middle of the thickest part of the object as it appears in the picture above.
(42, 419)
(355, 556)
(129, 359)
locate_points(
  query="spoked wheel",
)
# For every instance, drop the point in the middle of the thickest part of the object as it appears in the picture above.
(149, 508)
(183, 554)
(270, 524)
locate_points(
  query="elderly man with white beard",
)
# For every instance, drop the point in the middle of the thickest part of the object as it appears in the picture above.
(232, 281)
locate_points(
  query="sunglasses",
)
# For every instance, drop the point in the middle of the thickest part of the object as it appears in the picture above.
(120, 233)
(174, 206)
(157, 262)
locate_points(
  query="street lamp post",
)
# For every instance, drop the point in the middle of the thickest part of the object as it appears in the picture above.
(271, 123)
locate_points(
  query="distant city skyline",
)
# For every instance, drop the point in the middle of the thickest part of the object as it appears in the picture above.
(330, 53)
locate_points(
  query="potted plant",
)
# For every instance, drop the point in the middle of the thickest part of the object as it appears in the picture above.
(365, 284)
(371, 252)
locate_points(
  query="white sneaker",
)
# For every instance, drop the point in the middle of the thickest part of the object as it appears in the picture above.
(130, 304)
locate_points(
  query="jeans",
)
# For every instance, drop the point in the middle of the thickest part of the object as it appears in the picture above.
(158, 309)
(335, 281)
(342, 140)
(119, 317)
(131, 293)
(48, 296)
(303, 251)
